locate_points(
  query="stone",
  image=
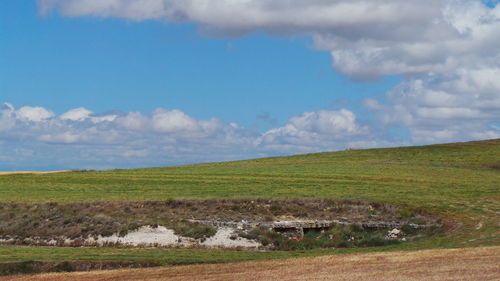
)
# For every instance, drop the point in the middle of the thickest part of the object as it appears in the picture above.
(394, 233)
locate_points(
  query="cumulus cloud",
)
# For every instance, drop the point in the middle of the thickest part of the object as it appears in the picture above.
(64, 137)
(168, 137)
(7, 119)
(34, 114)
(133, 121)
(77, 114)
(316, 131)
(461, 105)
(82, 114)
(160, 138)
(170, 121)
(75, 140)
(105, 118)
(248, 15)
(366, 38)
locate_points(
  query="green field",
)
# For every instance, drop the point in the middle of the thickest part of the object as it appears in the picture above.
(460, 182)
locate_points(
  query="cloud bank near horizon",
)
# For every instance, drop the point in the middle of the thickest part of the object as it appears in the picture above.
(80, 138)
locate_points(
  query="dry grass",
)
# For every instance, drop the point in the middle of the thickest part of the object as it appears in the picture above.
(456, 264)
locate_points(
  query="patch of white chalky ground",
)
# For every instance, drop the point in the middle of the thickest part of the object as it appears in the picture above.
(162, 236)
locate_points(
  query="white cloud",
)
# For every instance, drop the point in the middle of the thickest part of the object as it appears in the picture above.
(34, 114)
(169, 136)
(461, 105)
(172, 121)
(327, 122)
(77, 114)
(105, 118)
(7, 119)
(81, 114)
(65, 137)
(315, 131)
(366, 38)
(134, 121)
(161, 138)
(248, 15)
(430, 136)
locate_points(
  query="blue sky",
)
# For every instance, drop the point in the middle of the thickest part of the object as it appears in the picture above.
(182, 82)
(114, 64)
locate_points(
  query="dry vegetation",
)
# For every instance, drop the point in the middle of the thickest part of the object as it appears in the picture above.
(346, 223)
(456, 264)
(20, 221)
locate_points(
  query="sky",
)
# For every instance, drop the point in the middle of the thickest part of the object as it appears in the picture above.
(102, 84)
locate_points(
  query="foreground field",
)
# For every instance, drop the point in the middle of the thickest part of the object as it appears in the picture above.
(456, 264)
(459, 182)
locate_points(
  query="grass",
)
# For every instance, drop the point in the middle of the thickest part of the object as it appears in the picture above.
(458, 181)
(162, 256)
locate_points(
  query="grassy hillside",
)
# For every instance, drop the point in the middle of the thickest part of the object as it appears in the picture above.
(460, 182)
(412, 175)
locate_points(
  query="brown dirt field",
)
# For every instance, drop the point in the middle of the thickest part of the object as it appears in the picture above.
(456, 264)
(30, 173)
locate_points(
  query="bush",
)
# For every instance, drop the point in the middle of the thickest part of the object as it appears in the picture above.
(123, 231)
(339, 237)
(194, 230)
(375, 241)
(252, 234)
(63, 267)
(12, 268)
(405, 213)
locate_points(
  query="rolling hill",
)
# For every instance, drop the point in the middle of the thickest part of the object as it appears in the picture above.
(459, 182)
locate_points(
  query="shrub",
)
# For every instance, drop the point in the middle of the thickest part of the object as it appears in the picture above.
(252, 234)
(194, 230)
(12, 268)
(418, 220)
(276, 208)
(495, 166)
(405, 213)
(375, 240)
(63, 267)
(123, 231)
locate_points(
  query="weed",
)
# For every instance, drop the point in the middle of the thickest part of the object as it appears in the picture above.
(405, 213)
(63, 267)
(12, 268)
(252, 234)
(194, 230)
